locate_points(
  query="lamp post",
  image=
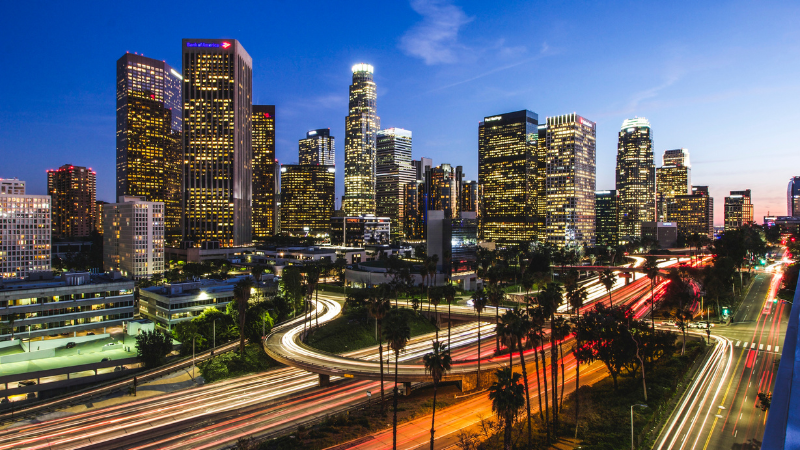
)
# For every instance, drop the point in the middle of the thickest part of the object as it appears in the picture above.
(632, 406)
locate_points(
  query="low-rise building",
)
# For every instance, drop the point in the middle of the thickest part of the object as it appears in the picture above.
(70, 303)
(173, 303)
(206, 251)
(358, 231)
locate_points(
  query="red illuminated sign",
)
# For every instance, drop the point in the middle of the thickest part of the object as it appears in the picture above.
(226, 45)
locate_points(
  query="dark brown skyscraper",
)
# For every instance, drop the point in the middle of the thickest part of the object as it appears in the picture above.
(217, 136)
(265, 183)
(149, 143)
(72, 190)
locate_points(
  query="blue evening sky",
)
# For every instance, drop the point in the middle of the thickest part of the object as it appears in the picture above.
(718, 78)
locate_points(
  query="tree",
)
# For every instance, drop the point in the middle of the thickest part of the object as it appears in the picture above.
(437, 364)
(682, 319)
(397, 333)
(507, 399)
(292, 286)
(607, 279)
(651, 269)
(152, 348)
(378, 307)
(256, 271)
(549, 300)
(519, 330)
(495, 295)
(479, 301)
(13, 317)
(607, 338)
(505, 330)
(764, 400)
(434, 298)
(241, 295)
(449, 294)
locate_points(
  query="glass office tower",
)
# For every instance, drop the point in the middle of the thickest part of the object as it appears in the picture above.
(361, 128)
(265, 183)
(318, 148)
(636, 177)
(394, 171)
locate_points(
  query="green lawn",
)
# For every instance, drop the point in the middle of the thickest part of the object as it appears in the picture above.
(353, 330)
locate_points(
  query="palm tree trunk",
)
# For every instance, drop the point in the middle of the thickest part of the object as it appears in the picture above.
(527, 393)
(507, 432)
(433, 414)
(546, 400)
(554, 375)
(316, 294)
(478, 383)
(380, 358)
(577, 397)
(563, 378)
(538, 383)
(652, 305)
(610, 302)
(496, 322)
(448, 324)
(394, 420)
(436, 315)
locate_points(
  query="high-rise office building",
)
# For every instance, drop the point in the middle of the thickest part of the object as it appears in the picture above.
(318, 148)
(693, 214)
(149, 128)
(217, 134)
(361, 128)
(12, 186)
(98, 221)
(541, 183)
(738, 209)
(793, 197)
(470, 197)
(636, 178)
(570, 182)
(265, 182)
(507, 172)
(25, 222)
(394, 171)
(416, 211)
(72, 191)
(606, 218)
(133, 237)
(360, 231)
(308, 193)
(443, 188)
(673, 178)
(421, 166)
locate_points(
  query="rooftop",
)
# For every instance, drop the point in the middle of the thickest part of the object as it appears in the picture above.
(86, 279)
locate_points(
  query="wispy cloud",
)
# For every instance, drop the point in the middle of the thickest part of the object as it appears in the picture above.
(435, 38)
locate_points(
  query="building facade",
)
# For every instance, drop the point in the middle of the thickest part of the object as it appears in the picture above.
(470, 197)
(67, 304)
(308, 193)
(72, 191)
(98, 222)
(416, 211)
(265, 181)
(693, 214)
(570, 181)
(358, 231)
(133, 237)
(636, 178)
(12, 186)
(318, 147)
(443, 188)
(673, 178)
(217, 136)
(394, 172)
(149, 129)
(361, 128)
(508, 160)
(793, 197)
(606, 207)
(738, 209)
(25, 227)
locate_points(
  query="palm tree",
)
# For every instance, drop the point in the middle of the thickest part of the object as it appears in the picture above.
(522, 324)
(505, 329)
(435, 297)
(397, 333)
(507, 399)
(378, 307)
(682, 318)
(533, 339)
(607, 279)
(549, 300)
(241, 293)
(449, 293)
(651, 268)
(256, 271)
(576, 296)
(13, 317)
(313, 274)
(429, 269)
(437, 363)
(479, 301)
(560, 329)
(495, 294)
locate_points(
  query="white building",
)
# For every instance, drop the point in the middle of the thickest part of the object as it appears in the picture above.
(133, 237)
(25, 223)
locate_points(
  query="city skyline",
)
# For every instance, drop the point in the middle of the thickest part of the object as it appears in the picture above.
(685, 87)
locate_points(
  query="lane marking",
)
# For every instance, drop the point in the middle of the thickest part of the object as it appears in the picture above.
(745, 345)
(776, 349)
(753, 346)
(739, 342)
(769, 347)
(761, 347)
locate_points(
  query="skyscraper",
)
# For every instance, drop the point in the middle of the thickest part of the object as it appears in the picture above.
(318, 148)
(133, 237)
(738, 209)
(149, 142)
(470, 197)
(25, 222)
(265, 183)
(218, 153)
(416, 211)
(570, 181)
(636, 178)
(394, 171)
(361, 128)
(421, 166)
(507, 172)
(606, 218)
(793, 197)
(443, 188)
(673, 178)
(693, 214)
(308, 193)
(72, 190)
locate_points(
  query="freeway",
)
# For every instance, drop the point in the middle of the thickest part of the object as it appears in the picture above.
(720, 409)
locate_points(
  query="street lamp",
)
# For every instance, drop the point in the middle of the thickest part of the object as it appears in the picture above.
(632, 406)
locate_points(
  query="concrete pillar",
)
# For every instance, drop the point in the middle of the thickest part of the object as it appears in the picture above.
(324, 380)
(627, 281)
(407, 388)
